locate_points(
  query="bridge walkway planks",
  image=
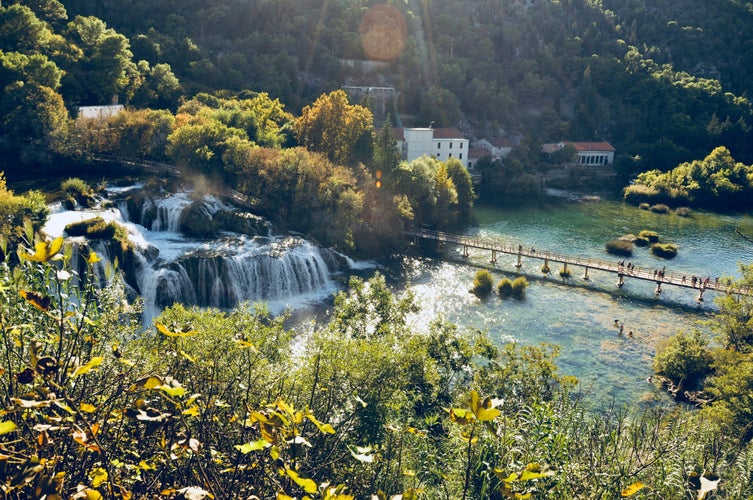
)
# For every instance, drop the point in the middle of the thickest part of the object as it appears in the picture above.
(660, 277)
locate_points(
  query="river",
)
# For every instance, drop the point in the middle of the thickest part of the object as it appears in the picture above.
(580, 317)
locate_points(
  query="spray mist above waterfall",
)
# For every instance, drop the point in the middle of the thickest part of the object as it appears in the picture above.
(198, 251)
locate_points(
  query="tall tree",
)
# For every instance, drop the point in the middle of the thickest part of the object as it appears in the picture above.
(336, 128)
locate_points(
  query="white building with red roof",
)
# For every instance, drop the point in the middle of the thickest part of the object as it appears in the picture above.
(589, 153)
(439, 143)
(498, 147)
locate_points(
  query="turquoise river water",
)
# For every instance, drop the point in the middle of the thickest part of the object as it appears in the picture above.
(580, 317)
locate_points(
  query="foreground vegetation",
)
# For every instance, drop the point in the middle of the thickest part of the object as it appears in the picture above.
(217, 404)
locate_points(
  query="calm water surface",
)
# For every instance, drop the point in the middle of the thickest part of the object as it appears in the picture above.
(580, 318)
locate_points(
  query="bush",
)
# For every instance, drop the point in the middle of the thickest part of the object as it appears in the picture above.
(620, 247)
(659, 209)
(639, 193)
(504, 287)
(482, 283)
(683, 211)
(97, 229)
(79, 191)
(641, 242)
(651, 236)
(664, 250)
(684, 357)
(519, 286)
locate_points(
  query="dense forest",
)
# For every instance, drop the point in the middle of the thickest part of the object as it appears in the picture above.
(663, 83)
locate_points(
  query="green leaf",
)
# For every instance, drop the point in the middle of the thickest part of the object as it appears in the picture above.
(173, 390)
(361, 453)
(7, 426)
(252, 446)
(98, 476)
(326, 428)
(308, 485)
(164, 331)
(633, 489)
(93, 363)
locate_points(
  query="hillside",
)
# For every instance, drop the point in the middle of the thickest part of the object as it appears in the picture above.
(665, 83)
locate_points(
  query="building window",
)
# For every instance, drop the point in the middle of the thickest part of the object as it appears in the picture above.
(461, 145)
(450, 145)
(450, 155)
(439, 145)
(460, 156)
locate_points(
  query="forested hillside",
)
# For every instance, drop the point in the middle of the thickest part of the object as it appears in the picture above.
(662, 81)
(665, 82)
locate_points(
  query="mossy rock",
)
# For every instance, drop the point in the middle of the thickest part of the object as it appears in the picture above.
(241, 222)
(620, 247)
(644, 206)
(196, 222)
(659, 208)
(664, 250)
(641, 242)
(683, 211)
(95, 228)
(651, 236)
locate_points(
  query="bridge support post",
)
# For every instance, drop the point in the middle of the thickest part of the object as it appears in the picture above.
(700, 295)
(585, 275)
(658, 287)
(621, 280)
(465, 251)
(494, 257)
(520, 262)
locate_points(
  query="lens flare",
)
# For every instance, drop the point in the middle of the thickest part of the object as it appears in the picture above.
(383, 32)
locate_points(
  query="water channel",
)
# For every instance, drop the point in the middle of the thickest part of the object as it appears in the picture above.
(580, 318)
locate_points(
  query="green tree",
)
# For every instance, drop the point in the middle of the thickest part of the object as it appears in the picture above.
(460, 177)
(105, 67)
(684, 358)
(336, 128)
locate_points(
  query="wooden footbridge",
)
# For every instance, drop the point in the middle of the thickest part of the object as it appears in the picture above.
(658, 276)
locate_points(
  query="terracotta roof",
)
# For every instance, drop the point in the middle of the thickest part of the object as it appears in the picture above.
(478, 152)
(447, 133)
(579, 146)
(592, 146)
(501, 142)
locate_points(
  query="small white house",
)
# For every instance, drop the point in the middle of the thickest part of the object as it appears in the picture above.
(99, 112)
(589, 153)
(498, 147)
(439, 143)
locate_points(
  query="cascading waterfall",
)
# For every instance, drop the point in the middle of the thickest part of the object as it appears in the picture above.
(223, 272)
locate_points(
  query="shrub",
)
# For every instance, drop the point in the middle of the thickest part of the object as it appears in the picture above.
(664, 250)
(659, 209)
(640, 193)
(504, 287)
(684, 357)
(519, 286)
(75, 187)
(620, 247)
(78, 190)
(651, 236)
(683, 211)
(482, 283)
(96, 229)
(641, 242)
